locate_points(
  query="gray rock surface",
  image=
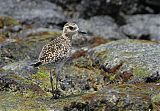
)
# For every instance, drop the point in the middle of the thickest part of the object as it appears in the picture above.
(140, 58)
(142, 27)
(113, 98)
(21, 68)
(41, 13)
(83, 83)
(103, 26)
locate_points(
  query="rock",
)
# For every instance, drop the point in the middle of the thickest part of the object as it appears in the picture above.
(103, 26)
(89, 8)
(153, 2)
(116, 98)
(128, 59)
(9, 28)
(153, 78)
(25, 47)
(40, 13)
(156, 100)
(120, 97)
(86, 83)
(21, 68)
(83, 83)
(79, 77)
(6, 21)
(142, 27)
(37, 31)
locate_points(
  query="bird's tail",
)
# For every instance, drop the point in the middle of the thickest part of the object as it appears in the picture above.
(36, 64)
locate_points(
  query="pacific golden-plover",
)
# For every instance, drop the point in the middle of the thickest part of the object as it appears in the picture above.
(57, 52)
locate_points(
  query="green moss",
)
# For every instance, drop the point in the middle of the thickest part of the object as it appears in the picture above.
(11, 101)
(8, 21)
(103, 55)
(16, 77)
(30, 101)
(41, 75)
(156, 98)
(42, 36)
(112, 78)
(141, 41)
(83, 62)
(140, 72)
(128, 53)
(2, 70)
(156, 102)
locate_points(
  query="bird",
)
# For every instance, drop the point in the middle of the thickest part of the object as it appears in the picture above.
(57, 52)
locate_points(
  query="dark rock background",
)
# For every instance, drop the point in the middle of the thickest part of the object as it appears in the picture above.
(109, 71)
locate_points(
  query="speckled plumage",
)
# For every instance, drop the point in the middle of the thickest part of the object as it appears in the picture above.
(59, 48)
(56, 51)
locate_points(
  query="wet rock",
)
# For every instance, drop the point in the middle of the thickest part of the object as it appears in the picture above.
(41, 13)
(132, 58)
(142, 27)
(103, 26)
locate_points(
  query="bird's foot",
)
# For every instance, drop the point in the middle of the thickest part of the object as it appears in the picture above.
(56, 94)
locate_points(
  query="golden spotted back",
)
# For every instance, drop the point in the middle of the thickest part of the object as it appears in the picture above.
(56, 50)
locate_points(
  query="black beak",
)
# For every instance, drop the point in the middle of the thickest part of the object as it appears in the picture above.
(81, 32)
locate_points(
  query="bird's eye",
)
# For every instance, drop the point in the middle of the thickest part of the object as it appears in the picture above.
(71, 28)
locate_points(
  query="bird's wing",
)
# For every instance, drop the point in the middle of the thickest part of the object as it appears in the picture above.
(52, 52)
(47, 53)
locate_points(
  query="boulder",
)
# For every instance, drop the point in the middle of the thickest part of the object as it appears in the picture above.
(142, 27)
(40, 13)
(103, 26)
(127, 60)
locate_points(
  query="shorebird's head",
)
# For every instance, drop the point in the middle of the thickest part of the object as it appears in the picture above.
(70, 29)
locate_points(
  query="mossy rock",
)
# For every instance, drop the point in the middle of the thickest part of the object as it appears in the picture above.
(8, 21)
(128, 57)
(25, 48)
(141, 72)
(113, 97)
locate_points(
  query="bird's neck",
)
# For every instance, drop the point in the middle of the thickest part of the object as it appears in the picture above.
(67, 36)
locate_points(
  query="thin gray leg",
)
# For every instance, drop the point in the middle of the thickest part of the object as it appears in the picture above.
(51, 81)
(58, 72)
